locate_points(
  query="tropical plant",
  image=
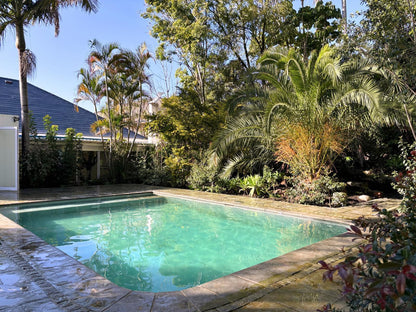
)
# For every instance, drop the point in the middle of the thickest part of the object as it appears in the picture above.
(253, 185)
(381, 275)
(90, 89)
(135, 65)
(304, 114)
(386, 34)
(120, 79)
(17, 14)
(102, 60)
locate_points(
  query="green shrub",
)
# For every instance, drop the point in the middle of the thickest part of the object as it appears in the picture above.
(47, 164)
(406, 181)
(203, 175)
(71, 157)
(149, 166)
(229, 185)
(339, 199)
(315, 192)
(253, 185)
(272, 181)
(382, 276)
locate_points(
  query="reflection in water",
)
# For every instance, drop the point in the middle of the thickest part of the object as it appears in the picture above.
(160, 244)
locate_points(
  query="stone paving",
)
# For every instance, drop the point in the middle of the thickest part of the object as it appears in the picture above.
(35, 276)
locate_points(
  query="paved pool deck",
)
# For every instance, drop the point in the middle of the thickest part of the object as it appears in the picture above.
(35, 276)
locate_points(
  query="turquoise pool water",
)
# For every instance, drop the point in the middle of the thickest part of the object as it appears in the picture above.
(165, 244)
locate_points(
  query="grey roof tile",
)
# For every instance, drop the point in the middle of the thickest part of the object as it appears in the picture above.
(43, 103)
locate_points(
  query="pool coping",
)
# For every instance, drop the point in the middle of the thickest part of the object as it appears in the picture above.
(71, 285)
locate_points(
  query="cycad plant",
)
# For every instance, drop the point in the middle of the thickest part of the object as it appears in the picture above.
(300, 114)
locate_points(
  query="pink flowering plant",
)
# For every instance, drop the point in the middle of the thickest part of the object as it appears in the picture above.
(382, 275)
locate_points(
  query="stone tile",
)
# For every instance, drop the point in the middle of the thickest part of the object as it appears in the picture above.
(232, 287)
(134, 302)
(204, 299)
(25, 295)
(172, 302)
(97, 293)
(265, 306)
(43, 305)
(273, 270)
(67, 275)
(303, 295)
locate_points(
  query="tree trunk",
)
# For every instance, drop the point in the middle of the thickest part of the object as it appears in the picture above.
(24, 106)
(110, 124)
(344, 17)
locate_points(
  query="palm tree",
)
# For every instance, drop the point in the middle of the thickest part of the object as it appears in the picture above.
(102, 60)
(17, 14)
(344, 16)
(90, 90)
(303, 113)
(136, 65)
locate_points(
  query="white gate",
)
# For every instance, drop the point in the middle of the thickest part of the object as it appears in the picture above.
(9, 153)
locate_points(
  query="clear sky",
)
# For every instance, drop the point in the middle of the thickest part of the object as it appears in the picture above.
(60, 58)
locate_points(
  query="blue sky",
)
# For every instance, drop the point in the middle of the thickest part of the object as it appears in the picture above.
(60, 58)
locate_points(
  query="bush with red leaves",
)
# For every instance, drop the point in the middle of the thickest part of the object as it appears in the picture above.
(382, 275)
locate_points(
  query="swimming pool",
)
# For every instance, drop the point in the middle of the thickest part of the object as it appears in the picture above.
(164, 244)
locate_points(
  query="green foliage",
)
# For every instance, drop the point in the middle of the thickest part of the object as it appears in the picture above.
(321, 191)
(339, 199)
(47, 163)
(386, 34)
(203, 175)
(148, 166)
(319, 25)
(194, 132)
(120, 78)
(406, 181)
(71, 157)
(261, 186)
(382, 276)
(252, 185)
(272, 180)
(216, 42)
(178, 167)
(305, 113)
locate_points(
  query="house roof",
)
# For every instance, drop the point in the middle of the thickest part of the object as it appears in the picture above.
(43, 103)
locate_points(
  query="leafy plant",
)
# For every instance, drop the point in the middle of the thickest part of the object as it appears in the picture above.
(382, 275)
(203, 174)
(406, 181)
(319, 191)
(178, 166)
(48, 164)
(71, 157)
(304, 112)
(252, 185)
(272, 180)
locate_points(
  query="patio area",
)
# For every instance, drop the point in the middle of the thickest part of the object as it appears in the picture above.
(35, 276)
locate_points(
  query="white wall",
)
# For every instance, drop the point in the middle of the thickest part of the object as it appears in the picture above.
(9, 153)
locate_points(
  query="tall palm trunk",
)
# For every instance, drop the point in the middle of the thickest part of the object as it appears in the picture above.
(24, 107)
(110, 125)
(138, 121)
(344, 17)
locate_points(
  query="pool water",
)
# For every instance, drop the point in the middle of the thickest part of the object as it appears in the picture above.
(165, 244)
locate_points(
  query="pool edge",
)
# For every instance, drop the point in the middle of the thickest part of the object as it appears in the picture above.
(85, 288)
